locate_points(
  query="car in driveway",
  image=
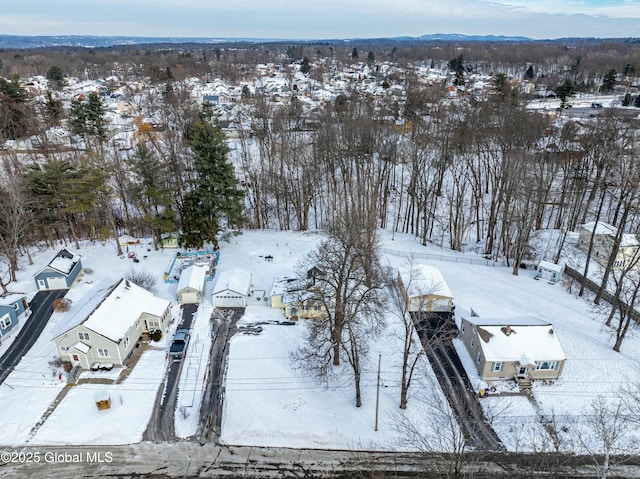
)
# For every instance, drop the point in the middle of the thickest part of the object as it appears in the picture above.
(179, 344)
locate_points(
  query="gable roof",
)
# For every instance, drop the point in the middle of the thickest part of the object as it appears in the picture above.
(111, 310)
(237, 280)
(9, 299)
(526, 340)
(423, 280)
(192, 277)
(63, 262)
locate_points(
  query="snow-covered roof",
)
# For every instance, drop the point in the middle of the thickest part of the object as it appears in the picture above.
(550, 266)
(82, 347)
(601, 228)
(237, 280)
(64, 261)
(8, 299)
(518, 339)
(111, 310)
(424, 279)
(192, 277)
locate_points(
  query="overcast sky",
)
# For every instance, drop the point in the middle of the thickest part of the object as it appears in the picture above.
(305, 19)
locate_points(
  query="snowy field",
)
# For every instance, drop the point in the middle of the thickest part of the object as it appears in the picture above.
(270, 401)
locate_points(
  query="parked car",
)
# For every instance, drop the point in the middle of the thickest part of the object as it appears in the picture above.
(179, 344)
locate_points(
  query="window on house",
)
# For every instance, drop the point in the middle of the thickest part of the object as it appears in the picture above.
(546, 365)
(5, 322)
(463, 328)
(83, 336)
(497, 366)
(478, 358)
(16, 306)
(126, 341)
(471, 342)
(103, 353)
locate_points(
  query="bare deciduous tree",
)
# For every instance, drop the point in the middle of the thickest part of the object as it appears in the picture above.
(348, 283)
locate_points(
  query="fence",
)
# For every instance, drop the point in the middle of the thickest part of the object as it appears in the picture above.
(606, 295)
(439, 257)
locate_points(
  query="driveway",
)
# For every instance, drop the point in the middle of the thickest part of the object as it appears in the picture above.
(41, 310)
(161, 426)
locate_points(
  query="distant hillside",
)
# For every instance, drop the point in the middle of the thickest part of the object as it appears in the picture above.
(90, 41)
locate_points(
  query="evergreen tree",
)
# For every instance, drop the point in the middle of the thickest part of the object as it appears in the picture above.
(53, 110)
(56, 76)
(565, 91)
(371, 59)
(529, 74)
(354, 53)
(152, 193)
(636, 102)
(215, 201)
(609, 81)
(87, 118)
(305, 66)
(14, 110)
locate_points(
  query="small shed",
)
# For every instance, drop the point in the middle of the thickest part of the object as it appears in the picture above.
(232, 289)
(191, 285)
(13, 306)
(549, 271)
(102, 399)
(61, 271)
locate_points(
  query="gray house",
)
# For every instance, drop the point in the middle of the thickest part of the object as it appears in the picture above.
(61, 271)
(105, 325)
(515, 348)
(13, 307)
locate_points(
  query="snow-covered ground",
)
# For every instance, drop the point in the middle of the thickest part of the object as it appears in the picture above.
(270, 401)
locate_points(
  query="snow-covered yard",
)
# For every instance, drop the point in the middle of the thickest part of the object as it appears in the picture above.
(270, 401)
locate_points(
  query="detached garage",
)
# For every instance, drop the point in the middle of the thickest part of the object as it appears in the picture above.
(232, 289)
(191, 285)
(60, 273)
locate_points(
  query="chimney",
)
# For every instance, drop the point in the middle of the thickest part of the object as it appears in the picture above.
(508, 330)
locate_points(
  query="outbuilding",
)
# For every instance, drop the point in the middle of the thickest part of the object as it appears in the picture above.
(233, 289)
(60, 272)
(549, 271)
(191, 285)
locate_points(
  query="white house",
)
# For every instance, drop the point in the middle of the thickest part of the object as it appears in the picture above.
(106, 324)
(191, 285)
(232, 290)
(425, 290)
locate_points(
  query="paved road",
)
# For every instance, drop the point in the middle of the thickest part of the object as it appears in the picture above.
(161, 426)
(212, 400)
(41, 310)
(189, 459)
(438, 343)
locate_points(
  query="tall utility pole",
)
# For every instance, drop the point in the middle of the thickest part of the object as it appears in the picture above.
(378, 389)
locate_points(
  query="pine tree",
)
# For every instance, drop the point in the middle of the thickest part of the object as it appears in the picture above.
(151, 192)
(215, 201)
(14, 110)
(529, 74)
(87, 118)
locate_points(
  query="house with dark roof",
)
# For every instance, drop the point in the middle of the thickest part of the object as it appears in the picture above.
(60, 272)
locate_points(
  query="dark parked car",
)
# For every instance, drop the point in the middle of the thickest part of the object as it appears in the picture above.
(179, 345)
